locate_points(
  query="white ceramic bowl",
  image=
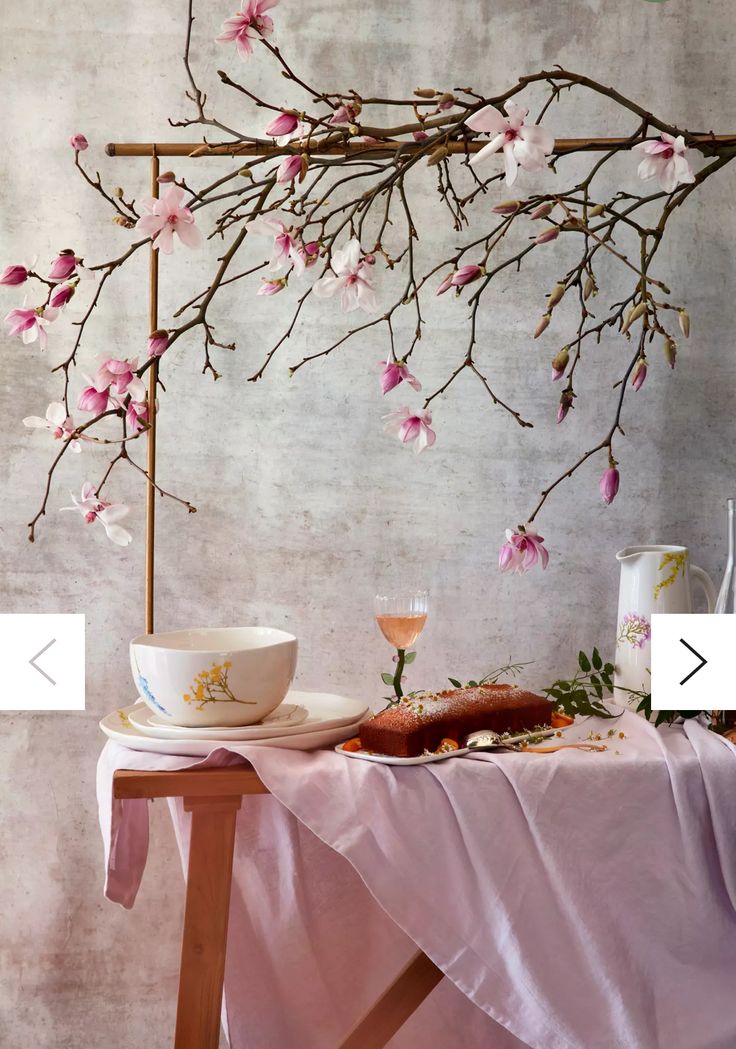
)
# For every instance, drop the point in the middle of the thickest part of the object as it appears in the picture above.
(214, 676)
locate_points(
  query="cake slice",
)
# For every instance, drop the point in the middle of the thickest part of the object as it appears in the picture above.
(420, 722)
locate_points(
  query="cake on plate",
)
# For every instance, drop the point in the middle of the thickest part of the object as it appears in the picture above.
(420, 722)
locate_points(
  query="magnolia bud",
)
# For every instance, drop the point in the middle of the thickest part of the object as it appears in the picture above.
(425, 92)
(542, 211)
(507, 207)
(633, 315)
(556, 295)
(551, 233)
(559, 363)
(596, 210)
(543, 325)
(120, 220)
(684, 318)
(590, 287)
(639, 373)
(304, 167)
(439, 154)
(168, 176)
(118, 192)
(246, 173)
(565, 404)
(609, 484)
(670, 351)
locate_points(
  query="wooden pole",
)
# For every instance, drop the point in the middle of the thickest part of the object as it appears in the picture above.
(152, 390)
(266, 149)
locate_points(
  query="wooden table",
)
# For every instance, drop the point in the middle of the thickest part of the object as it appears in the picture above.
(213, 797)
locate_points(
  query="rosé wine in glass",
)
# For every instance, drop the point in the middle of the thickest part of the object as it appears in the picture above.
(401, 616)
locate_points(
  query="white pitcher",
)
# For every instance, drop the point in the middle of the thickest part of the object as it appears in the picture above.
(653, 579)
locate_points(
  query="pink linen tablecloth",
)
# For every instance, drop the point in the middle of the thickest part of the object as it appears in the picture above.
(578, 901)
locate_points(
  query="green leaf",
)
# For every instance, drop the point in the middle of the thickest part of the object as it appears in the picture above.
(410, 657)
(473, 684)
(597, 661)
(609, 668)
(453, 681)
(583, 662)
(387, 679)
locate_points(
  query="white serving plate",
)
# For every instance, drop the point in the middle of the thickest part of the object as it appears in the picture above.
(116, 726)
(283, 720)
(427, 759)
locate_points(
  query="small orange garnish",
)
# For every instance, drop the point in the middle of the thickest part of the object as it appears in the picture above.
(560, 720)
(447, 745)
(353, 744)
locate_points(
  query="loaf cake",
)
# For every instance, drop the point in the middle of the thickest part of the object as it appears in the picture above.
(420, 722)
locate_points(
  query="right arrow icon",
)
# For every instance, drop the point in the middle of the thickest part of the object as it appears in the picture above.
(697, 655)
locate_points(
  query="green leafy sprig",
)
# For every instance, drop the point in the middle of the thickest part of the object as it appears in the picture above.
(583, 694)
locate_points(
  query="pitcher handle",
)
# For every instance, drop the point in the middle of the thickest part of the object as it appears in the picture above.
(706, 582)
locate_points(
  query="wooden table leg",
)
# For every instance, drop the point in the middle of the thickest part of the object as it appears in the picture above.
(395, 1005)
(204, 938)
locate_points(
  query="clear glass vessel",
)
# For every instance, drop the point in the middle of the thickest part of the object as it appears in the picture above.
(726, 602)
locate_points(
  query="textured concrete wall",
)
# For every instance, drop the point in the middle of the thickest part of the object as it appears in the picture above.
(303, 501)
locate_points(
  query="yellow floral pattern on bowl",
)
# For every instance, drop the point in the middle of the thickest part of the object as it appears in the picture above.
(210, 686)
(676, 561)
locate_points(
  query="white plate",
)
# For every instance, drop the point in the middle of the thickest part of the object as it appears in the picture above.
(427, 759)
(117, 726)
(284, 720)
(324, 710)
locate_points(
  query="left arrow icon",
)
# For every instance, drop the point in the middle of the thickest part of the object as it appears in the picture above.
(697, 655)
(33, 659)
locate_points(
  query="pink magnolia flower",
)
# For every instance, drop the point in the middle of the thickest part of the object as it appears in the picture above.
(350, 278)
(58, 422)
(309, 252)
(158, 342)
(523, 145)
(639, 373)
(345, 114)
(271, 287)
(78, 142)
(120, 375)
(249, 24)
(419, 136)
(60, 296)
(92, 508)
(289, 168)
(166, 216)
(445, 285)
(93, 400)
(608, 484)
(136, 415)
(14, 275)
(284, 128)
(522, 549)
(551, 233)
(63, 266)
(395, 372)
(411, 427)
(31, 324)
(664, 159)
(286, 244)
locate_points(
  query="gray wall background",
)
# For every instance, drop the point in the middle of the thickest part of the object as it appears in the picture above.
(303, 501)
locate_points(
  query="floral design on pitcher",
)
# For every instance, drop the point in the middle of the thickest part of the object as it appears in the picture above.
(210, 686)
(634, 630)
(677, 563)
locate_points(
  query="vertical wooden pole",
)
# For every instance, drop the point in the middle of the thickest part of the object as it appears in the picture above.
(152, 391)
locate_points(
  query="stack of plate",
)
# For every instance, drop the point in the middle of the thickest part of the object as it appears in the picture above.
(304, 721)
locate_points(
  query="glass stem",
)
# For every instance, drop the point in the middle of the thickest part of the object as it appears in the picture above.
(401, 653)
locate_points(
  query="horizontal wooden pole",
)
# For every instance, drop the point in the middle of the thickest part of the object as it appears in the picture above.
(192, 783)
(386, 148)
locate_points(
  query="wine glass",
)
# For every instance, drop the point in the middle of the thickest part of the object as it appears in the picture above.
(401, 615)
